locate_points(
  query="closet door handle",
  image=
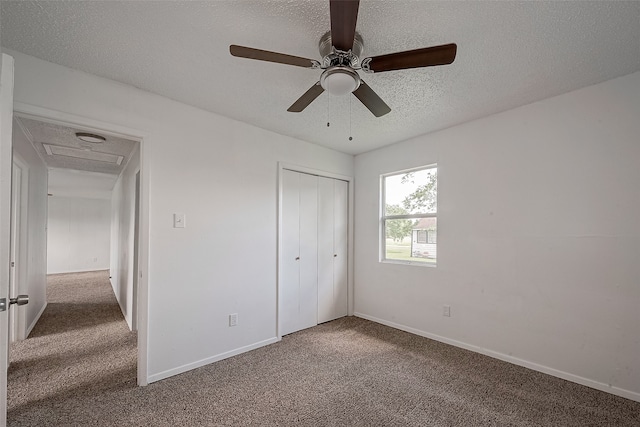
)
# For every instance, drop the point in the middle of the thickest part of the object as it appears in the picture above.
(335, 255)
(297, 258)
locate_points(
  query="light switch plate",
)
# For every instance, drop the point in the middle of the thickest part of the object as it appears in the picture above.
(179, 220)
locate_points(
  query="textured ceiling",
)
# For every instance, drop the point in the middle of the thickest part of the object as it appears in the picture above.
(108, 157)
(509, 54)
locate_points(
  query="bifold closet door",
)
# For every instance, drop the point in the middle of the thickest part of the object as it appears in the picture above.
(332, 248)
(299, 266)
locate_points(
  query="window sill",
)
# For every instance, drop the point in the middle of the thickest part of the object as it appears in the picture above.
(401, 262)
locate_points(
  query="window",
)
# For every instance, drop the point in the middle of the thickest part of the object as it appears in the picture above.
(409, 216)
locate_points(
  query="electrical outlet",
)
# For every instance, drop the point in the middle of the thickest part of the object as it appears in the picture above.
(446, 310)
(233, 319)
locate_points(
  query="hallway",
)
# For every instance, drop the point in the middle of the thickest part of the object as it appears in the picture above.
(80, 350)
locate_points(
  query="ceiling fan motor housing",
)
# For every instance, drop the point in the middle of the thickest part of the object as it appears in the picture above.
(332, 56)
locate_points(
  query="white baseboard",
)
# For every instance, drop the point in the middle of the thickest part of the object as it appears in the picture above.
(184, 368)
(78, 271)
(628, 394)
(33, 324)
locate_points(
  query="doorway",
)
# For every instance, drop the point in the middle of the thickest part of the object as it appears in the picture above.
(134, 222)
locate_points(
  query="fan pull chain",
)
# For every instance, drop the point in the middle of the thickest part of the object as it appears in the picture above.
(328, 110)
(350, 137)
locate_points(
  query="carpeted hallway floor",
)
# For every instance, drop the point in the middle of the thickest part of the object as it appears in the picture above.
(78, 368)
(80, 350)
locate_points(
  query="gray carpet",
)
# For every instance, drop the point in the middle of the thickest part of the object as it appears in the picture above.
(78, 368)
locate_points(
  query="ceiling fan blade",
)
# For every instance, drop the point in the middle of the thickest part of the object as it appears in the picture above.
(425, 57)
(265, 55)
(306, 99)
(371, 100)
(344, 15)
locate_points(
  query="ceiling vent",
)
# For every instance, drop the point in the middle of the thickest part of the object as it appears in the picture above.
(58, 150)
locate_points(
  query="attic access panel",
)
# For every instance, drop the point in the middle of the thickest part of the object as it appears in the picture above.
(84, 154)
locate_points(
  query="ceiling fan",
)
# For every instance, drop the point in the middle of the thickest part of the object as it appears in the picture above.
(340, 49)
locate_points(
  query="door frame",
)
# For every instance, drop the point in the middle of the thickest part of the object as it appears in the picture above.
(350, 235)
(136, 250)
(91, 125)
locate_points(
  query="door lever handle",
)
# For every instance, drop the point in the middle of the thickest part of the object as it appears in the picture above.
(19, 300)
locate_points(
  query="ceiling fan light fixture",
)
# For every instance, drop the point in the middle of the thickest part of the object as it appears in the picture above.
(340, 80)
(90, 137)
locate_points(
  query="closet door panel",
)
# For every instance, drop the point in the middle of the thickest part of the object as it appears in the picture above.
(308, 296)
(325, 249)
(313, 282)
(289, 266)
(340, 244)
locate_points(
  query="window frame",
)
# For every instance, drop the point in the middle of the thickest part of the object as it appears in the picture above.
(383, 218)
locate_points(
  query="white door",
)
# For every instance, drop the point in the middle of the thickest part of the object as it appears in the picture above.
(299, 263)
(308, 262)
(6, 118)
(340, 248)
(289, 252)
(332, 248)
(313, 265)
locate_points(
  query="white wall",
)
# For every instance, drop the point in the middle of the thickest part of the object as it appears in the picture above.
(222, 175)
(77, 183)
(122, 237)
(79, 230)
(538, 237)
(33, 246)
